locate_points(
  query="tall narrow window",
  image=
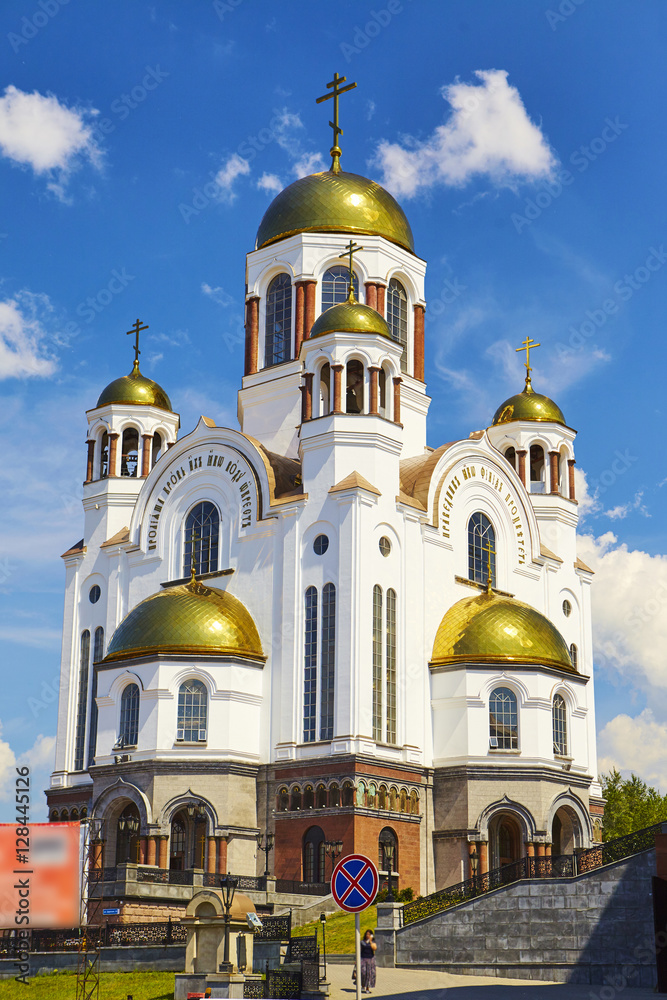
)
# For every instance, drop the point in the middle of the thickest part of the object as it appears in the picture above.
(129, 459)
(82, 705)
(278, 340)
(98, 653)
(391, 666)
(203, 522)
(377, 662)
(325, 390)
(336, 286)
(480, 536)
(104, 456)
(98, 646)
(537, 469)
(503, 722)
(397, 318)
(354, 400)
(559, 718)
(192, 712)
(129, 716)
(310, 667)
(156, 448)
(574, 656)
(387, 850)
(328, 662)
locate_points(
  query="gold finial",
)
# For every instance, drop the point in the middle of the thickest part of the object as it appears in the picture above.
(135, 330)
(337, 130)
(351, 249)
(527, 345)
(489, 579)
(193, 558)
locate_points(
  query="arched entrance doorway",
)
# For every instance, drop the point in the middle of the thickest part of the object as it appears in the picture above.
(505, 841)
(187, 842)
(127, 835)
(565, 831)
(314, 856)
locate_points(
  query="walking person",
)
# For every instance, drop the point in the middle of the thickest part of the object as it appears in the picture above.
(368, 949)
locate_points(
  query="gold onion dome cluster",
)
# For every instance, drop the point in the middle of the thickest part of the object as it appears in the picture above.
(528, 405)
(488, 628)
(350, 317)
(187, 619)
(135, 388)
(338, 202)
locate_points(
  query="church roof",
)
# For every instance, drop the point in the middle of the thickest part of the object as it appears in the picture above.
(350, 317)
(489, 628)
(337, 202)
(136, 389)
(355, 481)
(188, 619)
(528, 405)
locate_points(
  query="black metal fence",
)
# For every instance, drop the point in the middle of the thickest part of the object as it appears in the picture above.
(303, 888)
(275, 928)
(247, 883)
(112, 936)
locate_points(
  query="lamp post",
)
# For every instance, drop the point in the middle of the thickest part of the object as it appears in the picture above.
(323, 921)
(333, 848)
(389, 855)
(474, 865)
(228, 885)
(265, 847)
(196, 811)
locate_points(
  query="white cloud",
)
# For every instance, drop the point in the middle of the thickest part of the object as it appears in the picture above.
(308, 163)
(218, 294)
(234, 167)
(488, 133)
(270, 182)
(39, 758)
(40, 132)
(23, 348)
(635, 745)
(370, 110)
(621, 511)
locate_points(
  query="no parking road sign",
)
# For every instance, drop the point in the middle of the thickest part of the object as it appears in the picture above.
(354, 883)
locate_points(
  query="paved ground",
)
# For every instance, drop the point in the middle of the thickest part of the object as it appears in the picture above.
(423, 985)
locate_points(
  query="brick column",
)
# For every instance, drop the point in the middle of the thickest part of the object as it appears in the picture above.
(483, 857)
(371, 294)
(530, 850)
(210, 855)
(539, 850)
(151, 852)
(299, 316)
(310, 307)
(397, 400)
(547, 850)
(163, 861)
(251, 335)
(375, 394)
(141, 853)
(521, 455)
(419, 343)
(113, 447)
(90, 459)
(337, 369)
(553, 467)
(381, 296)
(147, 440)
(307, 398)
(570, 475)
(222, 854)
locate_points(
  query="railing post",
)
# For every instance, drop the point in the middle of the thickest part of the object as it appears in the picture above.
(575, 866)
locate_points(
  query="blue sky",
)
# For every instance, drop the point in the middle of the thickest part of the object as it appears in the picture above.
(139, 147)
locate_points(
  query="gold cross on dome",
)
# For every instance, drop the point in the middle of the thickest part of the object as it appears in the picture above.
(488, 548)
(193, 556)
(336, 91)
(527, 345)
(135, 330)
(350, 250)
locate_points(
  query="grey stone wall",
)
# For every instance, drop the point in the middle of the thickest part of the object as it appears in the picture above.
(580, 930)
(142, 958)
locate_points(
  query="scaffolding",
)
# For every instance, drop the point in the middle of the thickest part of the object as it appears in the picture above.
(90, 928)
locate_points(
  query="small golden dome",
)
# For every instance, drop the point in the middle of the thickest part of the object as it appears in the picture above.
(488, 628)
(189, 619)
(528, 405)
(335, 202)
(135, 388)
(350, 317)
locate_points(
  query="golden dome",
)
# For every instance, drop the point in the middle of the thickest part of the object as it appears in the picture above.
(488, 628)
(188, 619)
(335, 202)
(528, 405)
(350, 317)
(135, 388)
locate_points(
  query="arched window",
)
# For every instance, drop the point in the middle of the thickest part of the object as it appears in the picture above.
(537, 469)
(354, 399)
(127, 835)
(82, 704)
(334, 795)
(325, 389)
(156, 448)
(510, 455)
(403, 801)
(397, 318)
(388, 851)
(177, 843)
(574, 656)
(382, 392)
(283, 800)
(328, 662)
(308, 797)
(203, 522)
(192, 712)
(414, 803)
(348, 793)
(310, 667)
(391, 666)
(393, 799)
(382, 798)
(75, 815)
(295, 799)
(360, 797)
(314, 855)
(104, 456)
(480, 536)
(278, 342)
(321, 797)
(559, 718)
(129, 716)
(371, 796)
(54, 816)
(503, 721)
(98, 645)
(336, 286)
(129, 456)
(98, 653)
(64, 816)
(377, 662)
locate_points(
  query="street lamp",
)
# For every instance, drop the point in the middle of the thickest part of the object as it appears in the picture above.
(228, 884)
(474, 863)
(323, 921)
(265, 847)
(389, 855)
(333, 848)
(196, 811)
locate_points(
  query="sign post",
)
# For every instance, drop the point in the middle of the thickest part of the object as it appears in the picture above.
(354, 886)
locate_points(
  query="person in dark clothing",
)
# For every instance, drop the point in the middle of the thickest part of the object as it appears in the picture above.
(368, 949)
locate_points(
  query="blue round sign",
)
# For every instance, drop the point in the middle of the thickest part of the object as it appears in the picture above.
(354, 883)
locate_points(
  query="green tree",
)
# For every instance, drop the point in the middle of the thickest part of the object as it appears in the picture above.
(631, 805)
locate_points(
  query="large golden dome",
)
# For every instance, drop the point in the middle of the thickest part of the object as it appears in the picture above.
(528, 405)
(135, 388)
(350, 317)
(189, 619)
(488, 628)
(335, 202)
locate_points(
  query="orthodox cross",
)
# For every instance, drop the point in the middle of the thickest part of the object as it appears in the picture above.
(349, 251)
(135, 330)
(526, 346)
(337, 130)
(193, 556)
(489, 552)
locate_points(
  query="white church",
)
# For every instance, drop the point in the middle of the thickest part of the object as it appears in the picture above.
(314, 626)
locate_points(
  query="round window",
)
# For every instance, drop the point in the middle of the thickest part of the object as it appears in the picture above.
(320, 545)
(385, 546)
(95, 594)
(567, 609)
